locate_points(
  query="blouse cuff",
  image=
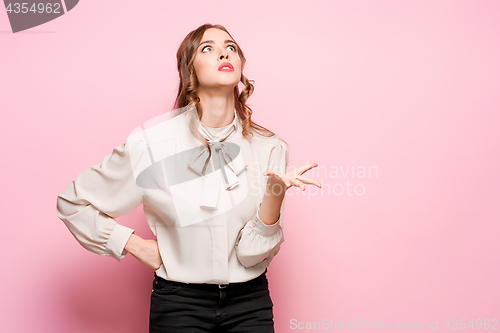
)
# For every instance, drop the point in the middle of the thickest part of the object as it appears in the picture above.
(117, 241)
(265, 229)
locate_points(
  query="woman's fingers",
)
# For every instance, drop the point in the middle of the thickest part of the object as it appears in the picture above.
(308, 180)
(287, 181)
(305, 167)
(296, 180)
(298, 183)
(299, 171)
(283, 178)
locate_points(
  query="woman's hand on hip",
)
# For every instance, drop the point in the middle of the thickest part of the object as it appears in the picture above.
(145, 250)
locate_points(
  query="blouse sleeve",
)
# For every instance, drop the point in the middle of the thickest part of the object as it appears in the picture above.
(258, 241)
(101, 193)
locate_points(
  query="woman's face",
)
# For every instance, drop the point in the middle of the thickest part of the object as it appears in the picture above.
(216, 50)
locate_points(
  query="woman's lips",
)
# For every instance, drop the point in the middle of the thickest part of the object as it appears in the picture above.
(226, 67)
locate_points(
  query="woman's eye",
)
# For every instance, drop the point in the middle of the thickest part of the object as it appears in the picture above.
(209, 47)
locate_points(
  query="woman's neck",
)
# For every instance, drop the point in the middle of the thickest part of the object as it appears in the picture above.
(218, 110)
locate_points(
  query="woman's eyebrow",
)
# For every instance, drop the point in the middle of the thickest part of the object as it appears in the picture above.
(211, 41)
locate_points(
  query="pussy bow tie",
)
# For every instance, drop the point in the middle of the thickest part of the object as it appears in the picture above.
(230, 168)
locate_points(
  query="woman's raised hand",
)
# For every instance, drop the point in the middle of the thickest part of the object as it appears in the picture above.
(294, 177)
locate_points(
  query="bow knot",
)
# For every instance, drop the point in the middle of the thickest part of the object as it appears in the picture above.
(216, 145)
(225, 156)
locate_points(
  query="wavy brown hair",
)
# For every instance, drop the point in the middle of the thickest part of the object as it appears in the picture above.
(188, 85)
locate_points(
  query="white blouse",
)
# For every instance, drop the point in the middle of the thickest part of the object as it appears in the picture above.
(206, 224)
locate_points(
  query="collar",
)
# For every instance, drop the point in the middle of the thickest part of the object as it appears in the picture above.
(225, 165)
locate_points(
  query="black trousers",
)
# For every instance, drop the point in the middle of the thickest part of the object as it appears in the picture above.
(244, 307)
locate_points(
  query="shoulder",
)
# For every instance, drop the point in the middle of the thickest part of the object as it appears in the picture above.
(272, 149)
(272, 142)
(162, 127)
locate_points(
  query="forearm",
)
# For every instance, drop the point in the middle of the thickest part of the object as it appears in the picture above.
(269, 209)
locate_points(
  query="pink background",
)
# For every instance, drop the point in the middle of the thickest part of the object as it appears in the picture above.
(410, 88)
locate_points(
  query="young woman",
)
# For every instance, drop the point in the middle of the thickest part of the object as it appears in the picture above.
(212, 183)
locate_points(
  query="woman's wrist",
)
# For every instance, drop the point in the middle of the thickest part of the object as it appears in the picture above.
(133, 244)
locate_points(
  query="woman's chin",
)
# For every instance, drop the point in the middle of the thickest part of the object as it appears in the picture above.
(228, 85)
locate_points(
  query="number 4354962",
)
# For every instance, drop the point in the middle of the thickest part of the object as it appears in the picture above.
(477, 324)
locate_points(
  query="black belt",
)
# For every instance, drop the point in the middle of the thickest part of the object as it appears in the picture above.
(210, 286)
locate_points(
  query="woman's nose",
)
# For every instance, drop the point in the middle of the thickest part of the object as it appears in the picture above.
(224, 55)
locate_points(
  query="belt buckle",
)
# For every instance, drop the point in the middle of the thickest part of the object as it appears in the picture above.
(221, 286)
